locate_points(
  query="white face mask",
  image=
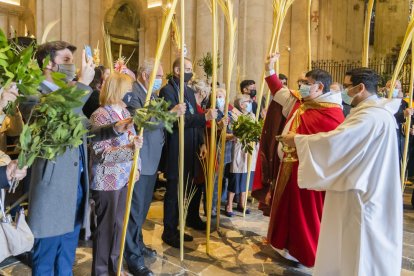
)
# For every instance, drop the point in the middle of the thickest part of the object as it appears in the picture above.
(220, 103)
(249, 107)
(351, 98)
(305, 90)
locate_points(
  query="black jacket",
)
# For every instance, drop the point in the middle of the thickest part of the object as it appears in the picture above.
(193, 134)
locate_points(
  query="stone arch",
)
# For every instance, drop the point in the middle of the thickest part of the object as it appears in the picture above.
(123, 21)
(138, 6)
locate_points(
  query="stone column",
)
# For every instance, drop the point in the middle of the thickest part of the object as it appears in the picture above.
(299, 42)
(391, 22)
(254, 34)
(225, 51)
(325, 29)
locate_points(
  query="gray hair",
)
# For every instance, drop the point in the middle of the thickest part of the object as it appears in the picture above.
(239, 99)
(200, 85)
(146, 67)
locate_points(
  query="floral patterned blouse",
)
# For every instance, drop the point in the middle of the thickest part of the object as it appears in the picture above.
(112, 158)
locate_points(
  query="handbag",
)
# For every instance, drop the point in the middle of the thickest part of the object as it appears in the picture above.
(15, 236)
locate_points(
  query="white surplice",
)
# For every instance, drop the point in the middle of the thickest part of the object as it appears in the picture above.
(357, 165)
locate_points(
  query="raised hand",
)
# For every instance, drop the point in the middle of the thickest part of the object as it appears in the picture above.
(87, 72)
(271, 60)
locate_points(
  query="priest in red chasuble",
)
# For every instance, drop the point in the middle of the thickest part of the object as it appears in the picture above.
(295, 214)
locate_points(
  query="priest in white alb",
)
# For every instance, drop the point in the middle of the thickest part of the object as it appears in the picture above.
(357, 164)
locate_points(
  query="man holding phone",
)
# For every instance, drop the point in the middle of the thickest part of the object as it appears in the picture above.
(58, 195)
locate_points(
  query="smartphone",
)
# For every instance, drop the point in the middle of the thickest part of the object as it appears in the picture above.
(88, 52)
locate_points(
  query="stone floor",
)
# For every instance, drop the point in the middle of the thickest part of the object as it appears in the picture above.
(237, 248)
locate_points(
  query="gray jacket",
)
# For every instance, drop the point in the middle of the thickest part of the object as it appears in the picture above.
(53, 184)
(150, 153)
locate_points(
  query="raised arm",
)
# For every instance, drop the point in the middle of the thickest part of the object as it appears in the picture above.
(272, 79)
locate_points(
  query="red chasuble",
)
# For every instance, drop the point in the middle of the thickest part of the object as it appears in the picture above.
(296, 213)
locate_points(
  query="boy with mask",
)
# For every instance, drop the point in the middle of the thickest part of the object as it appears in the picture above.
(248, 87)
(295, 214)
(58, 194)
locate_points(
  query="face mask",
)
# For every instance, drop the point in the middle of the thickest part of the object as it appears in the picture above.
(220, 103)
(69, 70)
(157, 85)
(345, 97)
(346, 91)
(304, 90)
(249, 107)
(252, 93)
(395, 93)
(188, 77)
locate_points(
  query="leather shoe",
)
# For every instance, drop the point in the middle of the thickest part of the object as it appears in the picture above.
(187, 237)
(174, 240)
(197, 225)
(171, 240)
(141, 271)
(148, 252)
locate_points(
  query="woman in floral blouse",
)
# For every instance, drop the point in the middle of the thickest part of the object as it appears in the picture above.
(111, 165)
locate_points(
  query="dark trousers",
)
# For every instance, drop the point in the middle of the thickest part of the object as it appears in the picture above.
(109, 209)
(141, 201)
(171, 205)
(56, 255)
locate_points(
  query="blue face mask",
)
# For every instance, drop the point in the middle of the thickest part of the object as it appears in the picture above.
(220, 103)
(157, 84)
(304, 90)
(395, 93)
(345, 97)
(249, 107)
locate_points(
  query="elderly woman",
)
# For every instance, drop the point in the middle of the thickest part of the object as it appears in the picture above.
(238, 167)
(111, 166)
(202, 94)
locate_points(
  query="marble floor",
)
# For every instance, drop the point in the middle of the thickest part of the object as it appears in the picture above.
(238, 247)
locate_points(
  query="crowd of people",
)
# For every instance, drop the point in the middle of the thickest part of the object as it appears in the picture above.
(335, 204)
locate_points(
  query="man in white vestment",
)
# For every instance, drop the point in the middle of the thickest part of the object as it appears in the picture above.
(357, 165)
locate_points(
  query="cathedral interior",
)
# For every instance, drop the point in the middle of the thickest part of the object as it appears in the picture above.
(336, 34)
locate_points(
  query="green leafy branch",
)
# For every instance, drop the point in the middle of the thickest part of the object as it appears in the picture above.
(18, 65)
(54, 127)
(157, 109)
(248, 131)
(206, 62)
